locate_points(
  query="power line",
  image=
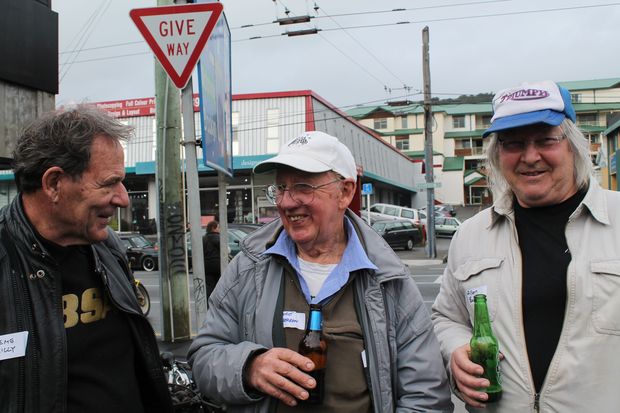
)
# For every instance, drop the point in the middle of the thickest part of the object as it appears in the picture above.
(380, 81)
(398, 10)
(86, 31)
(363, 47)
(453, 18)
(350, 27)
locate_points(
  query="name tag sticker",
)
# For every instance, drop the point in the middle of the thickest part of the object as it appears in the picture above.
(470, 294)
(13, 345)
(291, 319)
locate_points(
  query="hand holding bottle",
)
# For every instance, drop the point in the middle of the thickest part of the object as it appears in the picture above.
(280, 373)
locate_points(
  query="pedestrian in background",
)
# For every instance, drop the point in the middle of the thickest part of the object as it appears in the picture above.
(68, 308)
(547, 256)
(382, 353)
(211, 253)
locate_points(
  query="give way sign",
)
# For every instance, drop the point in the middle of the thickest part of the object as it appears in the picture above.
(177, 35)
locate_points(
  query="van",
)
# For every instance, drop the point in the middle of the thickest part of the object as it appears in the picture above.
(388, 211)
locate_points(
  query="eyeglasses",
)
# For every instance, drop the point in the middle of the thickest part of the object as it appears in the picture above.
(545, 143)
(301, 193)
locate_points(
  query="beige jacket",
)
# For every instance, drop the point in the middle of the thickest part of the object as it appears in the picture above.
(585, 370)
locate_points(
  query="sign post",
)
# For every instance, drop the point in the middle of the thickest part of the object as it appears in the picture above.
(177, 35)
(367, 190)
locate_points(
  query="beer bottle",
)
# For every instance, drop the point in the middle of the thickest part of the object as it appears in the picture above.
(313, 346)
(485, 349)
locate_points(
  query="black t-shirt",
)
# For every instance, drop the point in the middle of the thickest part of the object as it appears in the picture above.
(100, 349)
(545, 259)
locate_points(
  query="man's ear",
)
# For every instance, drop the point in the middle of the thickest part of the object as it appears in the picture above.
(348, 192)
(51, 182)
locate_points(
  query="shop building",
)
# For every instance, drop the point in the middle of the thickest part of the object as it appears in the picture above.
(261, 122)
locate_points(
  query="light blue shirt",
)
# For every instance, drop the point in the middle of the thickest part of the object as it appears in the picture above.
(354, 258)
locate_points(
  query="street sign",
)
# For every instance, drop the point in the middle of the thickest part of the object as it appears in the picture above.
(177, 35)
(366, 189)
(214, 87)
(425, 185)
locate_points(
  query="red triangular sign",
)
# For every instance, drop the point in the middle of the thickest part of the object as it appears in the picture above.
(177, 35)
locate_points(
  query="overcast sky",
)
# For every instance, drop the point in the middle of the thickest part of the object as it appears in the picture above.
(475, 47)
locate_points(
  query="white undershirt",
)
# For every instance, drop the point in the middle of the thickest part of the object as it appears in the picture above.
(314, 274)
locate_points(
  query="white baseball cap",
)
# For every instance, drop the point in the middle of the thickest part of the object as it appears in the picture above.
(531, 103)
(313, 152)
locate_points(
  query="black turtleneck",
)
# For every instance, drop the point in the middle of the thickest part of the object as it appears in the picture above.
(545, 259)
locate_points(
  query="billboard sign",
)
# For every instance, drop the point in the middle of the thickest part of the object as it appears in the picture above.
(215, 91)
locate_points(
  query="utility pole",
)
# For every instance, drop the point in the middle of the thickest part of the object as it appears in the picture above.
(428, 148)
(193, 204)
(171, 222)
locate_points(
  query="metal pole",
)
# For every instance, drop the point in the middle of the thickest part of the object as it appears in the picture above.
(193, 203)
(171, 223)
(223, 213)
(428, 148)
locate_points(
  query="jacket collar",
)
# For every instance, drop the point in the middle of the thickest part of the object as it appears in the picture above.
(389, 264)
(20, 228)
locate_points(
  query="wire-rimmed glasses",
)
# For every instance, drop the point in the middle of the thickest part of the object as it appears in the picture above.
(544, 143)
(301, 193)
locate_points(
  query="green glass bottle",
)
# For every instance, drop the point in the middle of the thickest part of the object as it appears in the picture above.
(313, 346)
(485, 349)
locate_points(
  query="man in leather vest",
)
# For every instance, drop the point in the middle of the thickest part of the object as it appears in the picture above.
(79, 341)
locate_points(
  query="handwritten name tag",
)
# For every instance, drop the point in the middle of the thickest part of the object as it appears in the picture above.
(291, 319)
(13, 345)
(471, 293)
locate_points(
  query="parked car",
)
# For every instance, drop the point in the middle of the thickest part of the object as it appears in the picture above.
(443, 209)
(399, 233)
(141, 253)
(389, 211)
(446, 225)
(236, 232)
(247, 228)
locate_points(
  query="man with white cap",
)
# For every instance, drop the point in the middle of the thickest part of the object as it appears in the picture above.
(382, 353)
(547, 256)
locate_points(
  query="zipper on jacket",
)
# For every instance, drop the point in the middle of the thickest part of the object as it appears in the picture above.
(369, 348)
(519, 303)
(21, 401)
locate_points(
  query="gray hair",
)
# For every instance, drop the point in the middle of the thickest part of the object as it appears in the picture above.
(581, 158)
(64, 139)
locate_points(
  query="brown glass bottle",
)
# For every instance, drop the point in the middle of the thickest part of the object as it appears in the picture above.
(485, 349)
(313, 346)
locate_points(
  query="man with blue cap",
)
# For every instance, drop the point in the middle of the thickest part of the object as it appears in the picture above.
(547, 256)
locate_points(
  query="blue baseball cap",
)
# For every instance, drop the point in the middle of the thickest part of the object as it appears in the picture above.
(529, 104)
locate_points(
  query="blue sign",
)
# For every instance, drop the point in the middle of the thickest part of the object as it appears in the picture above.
(215, 91)
(366, 189)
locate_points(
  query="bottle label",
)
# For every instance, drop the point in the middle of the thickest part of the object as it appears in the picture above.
(315, 320)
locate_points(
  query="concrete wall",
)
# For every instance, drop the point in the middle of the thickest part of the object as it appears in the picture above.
(18, 106)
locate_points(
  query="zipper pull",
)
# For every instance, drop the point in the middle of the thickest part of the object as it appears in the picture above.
(536, 402)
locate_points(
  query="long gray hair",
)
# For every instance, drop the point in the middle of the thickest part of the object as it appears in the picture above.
(581, 157)
(63, 139)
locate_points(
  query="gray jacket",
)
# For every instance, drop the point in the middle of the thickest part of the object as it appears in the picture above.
(405, 366)
(584, 370)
